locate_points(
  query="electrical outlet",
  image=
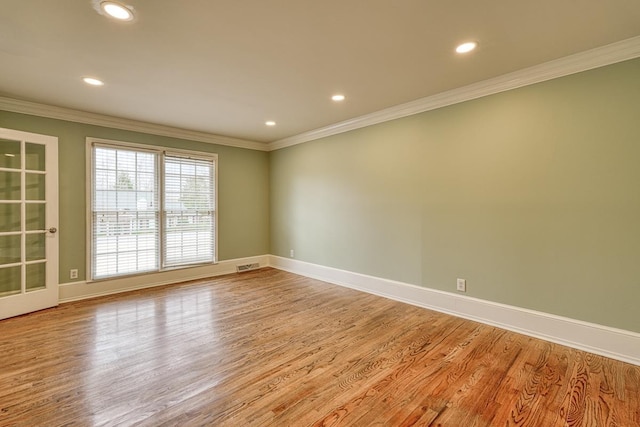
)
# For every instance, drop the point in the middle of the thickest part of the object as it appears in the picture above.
(73, 273)
(292, 254)
(461, 285)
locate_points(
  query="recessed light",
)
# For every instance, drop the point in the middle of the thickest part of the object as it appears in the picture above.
(93, 82)
(338, 98)
(466, 47)
(117, 10)
(270, 123)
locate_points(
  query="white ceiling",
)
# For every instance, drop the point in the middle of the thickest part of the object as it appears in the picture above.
(226, 66)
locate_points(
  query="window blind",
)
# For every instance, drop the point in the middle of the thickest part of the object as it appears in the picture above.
(125, 212)
(189, 210)
(150, 209)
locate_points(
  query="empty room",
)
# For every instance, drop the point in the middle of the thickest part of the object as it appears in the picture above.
(333, 213)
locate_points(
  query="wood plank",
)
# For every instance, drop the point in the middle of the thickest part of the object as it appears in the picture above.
(271, 348)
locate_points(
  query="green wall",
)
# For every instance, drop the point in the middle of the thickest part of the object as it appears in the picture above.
(243, 186)
(532, 195)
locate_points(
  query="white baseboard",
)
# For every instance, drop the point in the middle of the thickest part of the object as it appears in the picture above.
(81, 290)
(603, 340)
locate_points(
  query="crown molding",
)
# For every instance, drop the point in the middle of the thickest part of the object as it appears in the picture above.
(77, 116)
(583, 61)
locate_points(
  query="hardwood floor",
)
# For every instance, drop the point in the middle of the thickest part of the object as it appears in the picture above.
(272, 348)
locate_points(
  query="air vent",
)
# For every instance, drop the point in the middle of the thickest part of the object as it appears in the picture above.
(247, 267)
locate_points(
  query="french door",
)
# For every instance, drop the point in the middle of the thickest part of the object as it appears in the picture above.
(28, 222)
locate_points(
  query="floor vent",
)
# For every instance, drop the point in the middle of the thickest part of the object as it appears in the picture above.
(247, 267)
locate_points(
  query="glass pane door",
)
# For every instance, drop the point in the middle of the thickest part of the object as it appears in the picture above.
(28, 221)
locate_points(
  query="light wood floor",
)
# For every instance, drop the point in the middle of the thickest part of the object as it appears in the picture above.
(272, 348)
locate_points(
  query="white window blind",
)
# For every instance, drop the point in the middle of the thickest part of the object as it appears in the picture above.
(150, 209)
(189, 210)
(125, 212)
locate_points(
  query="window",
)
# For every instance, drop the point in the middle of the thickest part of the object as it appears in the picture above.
(188, 211)
(151, 209)
(125, 214)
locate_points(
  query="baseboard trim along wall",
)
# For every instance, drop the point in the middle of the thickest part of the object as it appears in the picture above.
(603, 340)
(82, 290)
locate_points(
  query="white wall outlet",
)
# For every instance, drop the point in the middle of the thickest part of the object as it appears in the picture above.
(461, 285)
(73, 273)
(292, 254)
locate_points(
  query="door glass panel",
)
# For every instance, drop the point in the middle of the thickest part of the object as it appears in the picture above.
(9, 154)
(28, 253)
(10, 249)
(9, 185)
(34, 157)
(36, 275)
(10, 280)
(35, 216)
(35, 247)
(9, 217)
(35, 186)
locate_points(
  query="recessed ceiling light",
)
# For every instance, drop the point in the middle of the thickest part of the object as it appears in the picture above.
(117, 10)
(93, 82)
(338, 98)
(270, 123)
(466, 47)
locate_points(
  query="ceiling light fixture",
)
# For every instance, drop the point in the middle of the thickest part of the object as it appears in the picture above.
(270, 123)
(93, 82)
(338, 98)
(117, 10)
(466, 47)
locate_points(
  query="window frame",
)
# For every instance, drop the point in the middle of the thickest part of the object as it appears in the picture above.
(164, 252)
(160, 152)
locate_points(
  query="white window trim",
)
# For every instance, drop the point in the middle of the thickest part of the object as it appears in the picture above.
(203, 155)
